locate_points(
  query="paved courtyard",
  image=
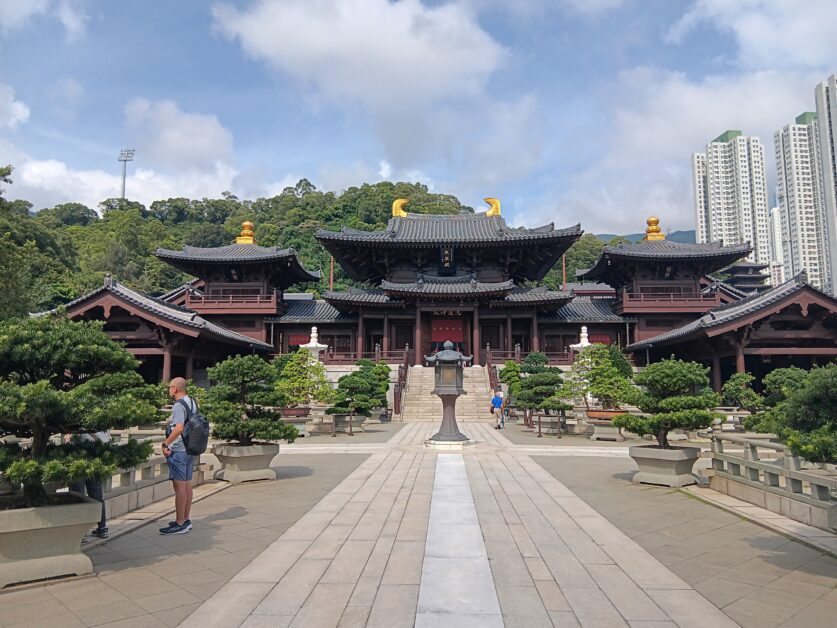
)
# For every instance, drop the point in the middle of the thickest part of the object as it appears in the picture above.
(370, 532)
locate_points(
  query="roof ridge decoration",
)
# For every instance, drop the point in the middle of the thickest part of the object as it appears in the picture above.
(398, 207)
(494, 205)
(653, 231)
(247, 234)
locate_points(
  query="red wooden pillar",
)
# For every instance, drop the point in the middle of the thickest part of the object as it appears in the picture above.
(740, 365)
(166, 364)
(360, 334)
(536, 341)
(418, 359)
(509, 333)
(190, 365)
(475, 331)
(716, 372)
(386, 334)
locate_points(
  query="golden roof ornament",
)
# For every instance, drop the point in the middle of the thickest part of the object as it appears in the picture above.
(653, 232)
(398, 207)
(247, 235)
(494, 204)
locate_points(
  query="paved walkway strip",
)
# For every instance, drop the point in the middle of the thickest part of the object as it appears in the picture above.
(457, 588)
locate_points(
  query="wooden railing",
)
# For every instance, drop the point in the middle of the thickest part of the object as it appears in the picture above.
(350, 357)
(491, 369)
(779, 475)
(400, 384)
(232, 301)
(499, 357)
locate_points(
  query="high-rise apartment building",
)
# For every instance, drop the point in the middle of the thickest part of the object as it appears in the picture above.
(731, 194)
(826, 98)
(800, 198)
(777, 239)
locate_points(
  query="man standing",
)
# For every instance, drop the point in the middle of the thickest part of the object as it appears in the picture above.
(180, 462)
(497, 404)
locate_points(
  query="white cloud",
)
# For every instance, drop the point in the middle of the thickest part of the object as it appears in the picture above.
(388, 57)
(770, 33)
(169, 137)
(661, 118)
(385, 170)
(532, 8)
(13, 112)
(15, 14)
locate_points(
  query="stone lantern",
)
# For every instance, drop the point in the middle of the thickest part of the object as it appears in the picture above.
(449, 375)
(314, 345)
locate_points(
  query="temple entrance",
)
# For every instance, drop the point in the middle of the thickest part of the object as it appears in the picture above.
(443, 329)
(491, 336)
(403, 336)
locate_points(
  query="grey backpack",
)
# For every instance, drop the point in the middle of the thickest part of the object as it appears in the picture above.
(195, 430)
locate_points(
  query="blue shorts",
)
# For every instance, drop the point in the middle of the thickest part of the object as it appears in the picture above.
(180, 466)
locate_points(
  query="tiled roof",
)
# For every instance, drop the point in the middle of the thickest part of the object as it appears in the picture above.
(234, 254)
(534, 296)
(176, 292)
(441, 229)
(586, 310)
(726, 313)
(589, 287)
(372, 296)
(446, 286)
(175, 313)
(661, 251)
(313, 311)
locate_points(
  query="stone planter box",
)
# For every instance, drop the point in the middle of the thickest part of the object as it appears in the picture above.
(606, 430)
(299, 422)
(243, 464)
(665, 467)
(45, 542)
(342, 422)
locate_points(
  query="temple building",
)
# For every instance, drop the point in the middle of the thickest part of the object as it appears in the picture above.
(471, 279)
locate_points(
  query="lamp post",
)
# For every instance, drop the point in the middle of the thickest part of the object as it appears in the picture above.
(449, 378)
(125, 155)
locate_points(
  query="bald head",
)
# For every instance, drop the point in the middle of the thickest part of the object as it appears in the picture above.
(179, 384)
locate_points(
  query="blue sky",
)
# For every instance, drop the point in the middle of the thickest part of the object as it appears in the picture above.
(567, 110)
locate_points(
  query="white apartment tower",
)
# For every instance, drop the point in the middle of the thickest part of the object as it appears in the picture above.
(800, 198)
(731, 194)
(777, 239)
(826, 99)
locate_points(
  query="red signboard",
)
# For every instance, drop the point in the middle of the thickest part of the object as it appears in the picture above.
(442, 329)
(298, 339)
(602, 339)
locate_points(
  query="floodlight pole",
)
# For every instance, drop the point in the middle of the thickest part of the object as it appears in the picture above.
(125, 155)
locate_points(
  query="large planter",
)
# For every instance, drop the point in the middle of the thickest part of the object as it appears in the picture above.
(45, 542)
(295, 411)
(666, 467)
(342, 422)
(606, 430)
(244, 464)
(603, 414)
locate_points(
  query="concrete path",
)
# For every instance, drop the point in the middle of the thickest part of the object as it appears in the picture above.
(528, 533)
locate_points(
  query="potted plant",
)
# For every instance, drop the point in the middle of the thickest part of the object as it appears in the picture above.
(540, 392)
(60, 377)
(738, 392)
(357, 394)
(301, 380)
(239, 406)
(675, 394)
(380, 372)
(511, 377)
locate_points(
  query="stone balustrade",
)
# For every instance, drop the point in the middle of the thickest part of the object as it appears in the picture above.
(777, 482)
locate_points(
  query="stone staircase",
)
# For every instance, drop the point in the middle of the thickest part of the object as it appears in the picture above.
(420, 404)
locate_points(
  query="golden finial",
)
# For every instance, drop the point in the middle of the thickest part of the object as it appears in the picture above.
(398, 207)
(653, 232)
(494, 206)
(247, 235)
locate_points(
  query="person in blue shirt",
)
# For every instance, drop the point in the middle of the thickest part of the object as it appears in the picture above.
(497, 405)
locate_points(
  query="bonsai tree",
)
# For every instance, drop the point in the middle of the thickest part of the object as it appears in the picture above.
(675, 394)
(541, 387)
(806, 420)
(63, 377)
(601, 371)
(236, 404)
(737, 392)
(511, 377)
(303, 380)
(359, 392)
(779, 384)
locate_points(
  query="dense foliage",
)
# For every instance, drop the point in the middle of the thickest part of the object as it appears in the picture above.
(53, 255)
(240, 403)
(541, 386)
(737, 391)
(303, 380)
(804, 415)
(511, 377)
(361, 391)
(64, 377)
(601, 371)
(675, 395)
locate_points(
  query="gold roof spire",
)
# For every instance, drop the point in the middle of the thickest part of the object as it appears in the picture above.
(398, 207)
(247, 235)
(494, 204)
(653, 232)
